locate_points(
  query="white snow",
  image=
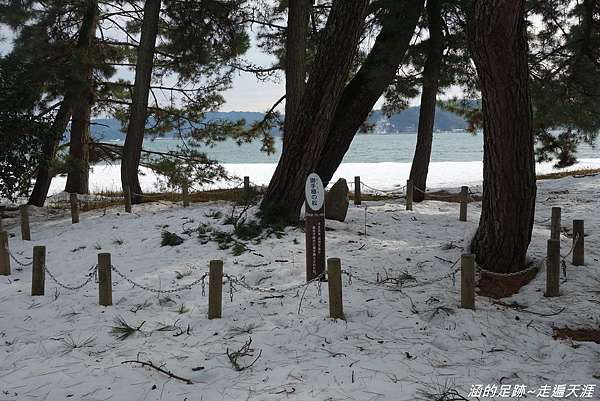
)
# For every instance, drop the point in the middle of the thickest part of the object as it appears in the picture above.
(393, 345)
(384, 176)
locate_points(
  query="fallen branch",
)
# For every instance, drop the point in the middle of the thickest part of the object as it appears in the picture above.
(161, 370)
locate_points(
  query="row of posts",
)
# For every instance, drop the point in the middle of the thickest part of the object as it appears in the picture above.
(215, 284)
(185, 194)
(464, 197)
(553, 261)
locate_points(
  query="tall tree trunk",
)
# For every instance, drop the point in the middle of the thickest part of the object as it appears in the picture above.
(308, 129)
(295, 58)
(83, 100)
(132, 149)
(499, 47)
(431, 78)
(44, 174)
(369, 83)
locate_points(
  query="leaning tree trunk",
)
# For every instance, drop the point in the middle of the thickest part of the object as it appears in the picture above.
(132, 149)
(295, 58)
(307, 131)
(83, 99)
(499, 47)
(50, 149)
(369, 83)
(431, 77)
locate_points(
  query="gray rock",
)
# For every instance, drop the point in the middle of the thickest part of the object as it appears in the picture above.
(336, 201)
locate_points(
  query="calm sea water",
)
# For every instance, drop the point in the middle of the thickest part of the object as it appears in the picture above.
(375, 148)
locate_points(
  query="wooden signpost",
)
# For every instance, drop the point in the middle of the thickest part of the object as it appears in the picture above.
(314, 221)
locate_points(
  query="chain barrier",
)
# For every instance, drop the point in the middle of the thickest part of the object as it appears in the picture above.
(384, 283)
(17, 261)
(233, 280)
(535, 266)
(92, 276)
(157, 290)
(388, 191)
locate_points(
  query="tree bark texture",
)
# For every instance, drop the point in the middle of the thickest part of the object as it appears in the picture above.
(132, 149)
(83, 99)
(44, 174)
(431, 77)
(308, 129)
(295, 58)
(366, 87)
(499, 46)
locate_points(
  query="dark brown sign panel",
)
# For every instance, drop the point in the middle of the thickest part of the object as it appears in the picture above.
(314, 221)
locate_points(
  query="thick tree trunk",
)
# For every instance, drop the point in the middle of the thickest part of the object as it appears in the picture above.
(499, 46)
(295, 58)
(44, 174)
(308, 129)
(134, 140)
(83, 100)
(79, 147)
(431, 77)
(369, 83)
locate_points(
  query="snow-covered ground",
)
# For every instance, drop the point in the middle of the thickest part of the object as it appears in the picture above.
(396, 344)
(386, 176)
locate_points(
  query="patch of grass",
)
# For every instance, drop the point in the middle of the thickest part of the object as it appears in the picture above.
(238, 249)
(70, 344)
(248, 231)
(170, 239)
(123, 330)
(214, 214)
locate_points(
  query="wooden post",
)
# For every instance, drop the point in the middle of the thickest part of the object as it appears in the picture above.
(127, 196)
(246, 184)
(38, 275)
(215, 289)
(552, 268)
(25, 231)
(4, 256)
(464, 202)
(186, 195)
(74, 208)
(555, 224)
(334, 282)
(467, 281)
(578, 238)
(409, 194)
(357, 188)
(104, 279)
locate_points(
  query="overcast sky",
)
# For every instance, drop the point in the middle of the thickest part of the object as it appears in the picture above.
(247, 93)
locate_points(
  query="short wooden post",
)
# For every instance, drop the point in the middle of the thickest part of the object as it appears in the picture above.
(467, 281)
(186, 195)
(246, 184)
(74, 208)
(578, 240)
(555, 224)
(464, 202)
(552, 268)
(25, 231)
(38, 275)
(215, 289)
(104, 279)
(127, 195)
(4, 256)
(334, 282)
(1, 224)
(357, 188)
(409, 194)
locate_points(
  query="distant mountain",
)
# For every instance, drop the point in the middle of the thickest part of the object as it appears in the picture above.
(407, 121)
(404, 122)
